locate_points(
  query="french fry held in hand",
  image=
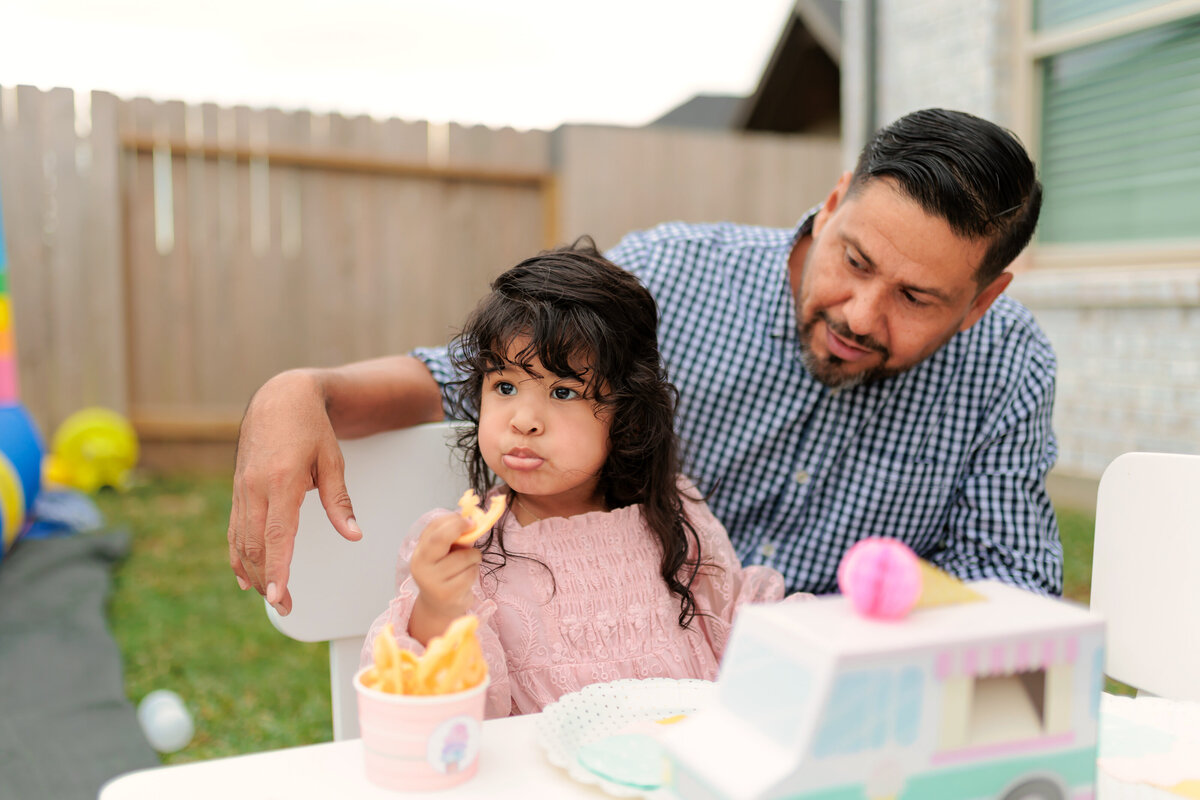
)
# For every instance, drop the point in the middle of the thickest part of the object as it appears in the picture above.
(481, 521)
(453, 662)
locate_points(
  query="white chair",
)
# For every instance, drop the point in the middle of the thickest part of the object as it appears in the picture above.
(1146, 572)
(339, 587)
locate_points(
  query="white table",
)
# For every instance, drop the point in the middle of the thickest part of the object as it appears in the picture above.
(512, 765)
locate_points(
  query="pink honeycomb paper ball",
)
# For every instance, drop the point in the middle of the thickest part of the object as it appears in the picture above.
(882, 578)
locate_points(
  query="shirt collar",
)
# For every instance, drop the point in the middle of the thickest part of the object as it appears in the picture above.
(783, 321)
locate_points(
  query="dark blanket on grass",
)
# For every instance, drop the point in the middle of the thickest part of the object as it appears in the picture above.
(66, 726)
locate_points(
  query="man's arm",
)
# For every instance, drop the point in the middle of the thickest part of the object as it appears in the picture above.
(1002, 524)
(382, 394)
(288, 445)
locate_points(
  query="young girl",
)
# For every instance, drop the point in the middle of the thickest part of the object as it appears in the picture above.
(606, 563)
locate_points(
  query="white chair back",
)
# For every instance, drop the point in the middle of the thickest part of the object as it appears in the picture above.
(339, 587)
(1146, 572)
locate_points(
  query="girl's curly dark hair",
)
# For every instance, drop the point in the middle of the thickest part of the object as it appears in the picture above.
(589, 320)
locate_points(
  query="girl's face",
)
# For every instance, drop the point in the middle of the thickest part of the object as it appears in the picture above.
(543, 438)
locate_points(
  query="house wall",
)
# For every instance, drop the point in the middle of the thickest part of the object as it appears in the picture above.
(1127, 332)
(947, 53)
(1128, 345)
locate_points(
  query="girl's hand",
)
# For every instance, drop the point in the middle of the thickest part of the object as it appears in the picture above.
(445, 573)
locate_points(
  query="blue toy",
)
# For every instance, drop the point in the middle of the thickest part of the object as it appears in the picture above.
(20, 472)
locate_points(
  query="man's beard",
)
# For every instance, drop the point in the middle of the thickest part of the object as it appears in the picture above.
(826, 370)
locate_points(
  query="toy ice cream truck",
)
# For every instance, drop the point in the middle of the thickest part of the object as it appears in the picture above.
(993, 694)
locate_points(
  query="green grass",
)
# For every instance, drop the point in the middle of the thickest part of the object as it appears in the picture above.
(182, 623)
(1077, 530)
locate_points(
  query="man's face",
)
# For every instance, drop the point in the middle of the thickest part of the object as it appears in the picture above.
(883, 285)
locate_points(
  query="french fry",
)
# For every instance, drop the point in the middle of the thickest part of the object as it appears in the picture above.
(467, 668)
(435, 667)
(453, 662)
(387, 650)
(407, 671)
(481, 521)
(452, 656)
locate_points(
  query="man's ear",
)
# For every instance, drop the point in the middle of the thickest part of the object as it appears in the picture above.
(831, 203)
(983, 301)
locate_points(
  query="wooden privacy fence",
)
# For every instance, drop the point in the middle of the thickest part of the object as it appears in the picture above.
(166, 259)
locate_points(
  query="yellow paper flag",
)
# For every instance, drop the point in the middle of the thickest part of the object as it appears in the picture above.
(939, 588)
(1188, 788)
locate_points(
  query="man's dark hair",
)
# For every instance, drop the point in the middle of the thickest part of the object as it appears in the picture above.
(966, 170)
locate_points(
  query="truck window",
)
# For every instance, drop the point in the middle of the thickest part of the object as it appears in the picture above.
(765, 686)
(869, 708)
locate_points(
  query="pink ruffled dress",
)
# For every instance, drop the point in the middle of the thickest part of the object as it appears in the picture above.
(605, 614)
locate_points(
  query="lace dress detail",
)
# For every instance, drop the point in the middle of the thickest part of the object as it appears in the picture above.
(605, 614)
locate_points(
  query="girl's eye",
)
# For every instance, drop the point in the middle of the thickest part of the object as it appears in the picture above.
(504, 387)
(563, 393)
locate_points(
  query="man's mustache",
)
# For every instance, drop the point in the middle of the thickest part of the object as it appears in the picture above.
(843, 330)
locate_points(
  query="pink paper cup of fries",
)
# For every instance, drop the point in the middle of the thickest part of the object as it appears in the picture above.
(420, 742)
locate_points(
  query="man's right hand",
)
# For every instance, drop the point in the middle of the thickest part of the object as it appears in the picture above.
(286, 446)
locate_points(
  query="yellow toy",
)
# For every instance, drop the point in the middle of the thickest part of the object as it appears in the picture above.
(91, 449)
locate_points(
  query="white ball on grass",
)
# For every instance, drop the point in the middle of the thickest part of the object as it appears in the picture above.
(165, 721)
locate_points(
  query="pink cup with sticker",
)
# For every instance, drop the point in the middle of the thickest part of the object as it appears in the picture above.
(420, 742)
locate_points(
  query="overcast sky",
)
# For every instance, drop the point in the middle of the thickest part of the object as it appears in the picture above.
(524, 63)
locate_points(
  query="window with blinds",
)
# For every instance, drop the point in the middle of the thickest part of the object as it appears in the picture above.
(1053, 13)
(1120, 133)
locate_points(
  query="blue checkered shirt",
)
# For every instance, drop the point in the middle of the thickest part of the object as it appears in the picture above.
(950, 457)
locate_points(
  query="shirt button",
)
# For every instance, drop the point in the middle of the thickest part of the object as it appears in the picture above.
(767, 549)
(802, 477)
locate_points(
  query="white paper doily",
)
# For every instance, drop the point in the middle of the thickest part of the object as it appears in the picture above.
(607, 709)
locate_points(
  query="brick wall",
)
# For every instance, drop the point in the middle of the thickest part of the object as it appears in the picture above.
(937, 53)
(948, 53)
(1128, 345)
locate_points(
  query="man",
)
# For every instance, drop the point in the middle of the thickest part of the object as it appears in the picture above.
(859, 375)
